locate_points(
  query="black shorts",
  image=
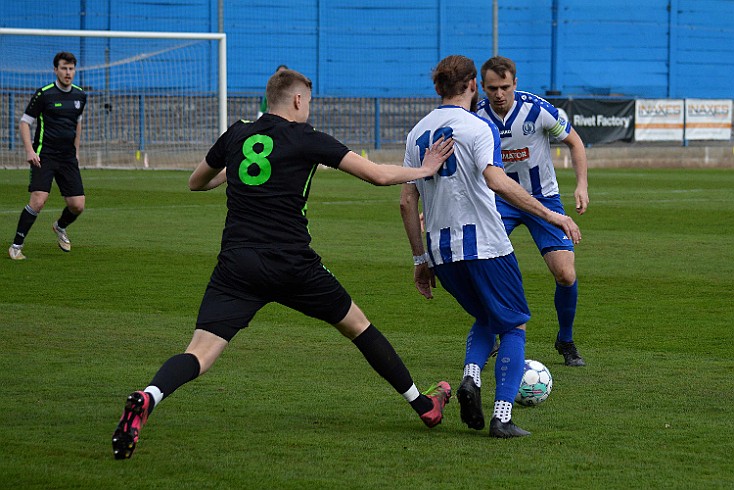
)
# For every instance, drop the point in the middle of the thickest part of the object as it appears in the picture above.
(246, 279)
(64, 170)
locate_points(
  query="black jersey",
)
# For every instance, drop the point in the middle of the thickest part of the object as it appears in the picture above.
(56, 113)
(270, 164)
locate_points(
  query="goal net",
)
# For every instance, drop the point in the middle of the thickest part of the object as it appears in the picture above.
(154, 100)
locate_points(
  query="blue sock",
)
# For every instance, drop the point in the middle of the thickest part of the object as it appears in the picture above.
(479, 343)
(510, 365)
(566, 299)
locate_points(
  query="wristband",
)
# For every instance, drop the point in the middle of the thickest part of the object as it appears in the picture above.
(420, 259)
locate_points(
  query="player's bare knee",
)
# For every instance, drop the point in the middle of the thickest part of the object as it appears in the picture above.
(37, 204)
(566, 277)
(351, 330)
(354, 323)
(76, 204)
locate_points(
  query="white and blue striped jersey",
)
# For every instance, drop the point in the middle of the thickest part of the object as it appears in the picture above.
(525, 133)
(461, 219)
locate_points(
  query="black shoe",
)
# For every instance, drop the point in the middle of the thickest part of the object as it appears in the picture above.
(506, 430)
(470, 401)
(570, 353)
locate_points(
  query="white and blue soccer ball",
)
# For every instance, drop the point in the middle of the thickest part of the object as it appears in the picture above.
(536, 384)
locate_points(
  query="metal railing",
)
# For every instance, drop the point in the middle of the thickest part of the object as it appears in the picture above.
(177, 130)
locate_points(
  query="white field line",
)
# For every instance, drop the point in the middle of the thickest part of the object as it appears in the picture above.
(607, 197)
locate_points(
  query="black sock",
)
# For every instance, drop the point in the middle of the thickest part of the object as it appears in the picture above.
(27, 218)
(177, 371)
(67, 218)
(422, 404)
(382, 357)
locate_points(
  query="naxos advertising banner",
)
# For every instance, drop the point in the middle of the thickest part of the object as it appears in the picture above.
(659, 119)
(708, 119)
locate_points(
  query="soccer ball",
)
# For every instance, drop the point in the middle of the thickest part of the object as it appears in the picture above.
(536, 384)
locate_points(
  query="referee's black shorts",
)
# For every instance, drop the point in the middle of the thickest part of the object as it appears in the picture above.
(246, 279)
(64, 169)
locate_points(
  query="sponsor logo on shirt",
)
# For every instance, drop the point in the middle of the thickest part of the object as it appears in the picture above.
(506, 133)
(519, 155)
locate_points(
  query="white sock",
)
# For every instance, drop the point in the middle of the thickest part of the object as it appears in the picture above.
(155, 393)
(503, 411)
(475, 372)
(411, 394)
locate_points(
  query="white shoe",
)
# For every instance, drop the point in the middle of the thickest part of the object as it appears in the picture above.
(63, 240)
(16, 253)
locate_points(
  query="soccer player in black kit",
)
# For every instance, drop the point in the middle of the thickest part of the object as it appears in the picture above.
(57, 111)
(266, 255)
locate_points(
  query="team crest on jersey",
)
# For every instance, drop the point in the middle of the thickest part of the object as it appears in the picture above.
(77, 104)
(528, 127)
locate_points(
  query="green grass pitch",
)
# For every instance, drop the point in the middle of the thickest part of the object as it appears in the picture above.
(292, 404)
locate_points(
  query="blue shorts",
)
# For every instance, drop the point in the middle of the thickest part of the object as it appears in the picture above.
(490, 290)
(547, 237)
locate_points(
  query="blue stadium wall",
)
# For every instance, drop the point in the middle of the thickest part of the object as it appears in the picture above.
(380, 48)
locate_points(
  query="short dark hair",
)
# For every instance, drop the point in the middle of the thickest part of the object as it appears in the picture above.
(281, 67)
(452, 75)
(500, 65)
(66, 56)
(280, 83)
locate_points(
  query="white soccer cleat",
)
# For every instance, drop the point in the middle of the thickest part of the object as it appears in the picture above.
(63, 239)
(16, 253)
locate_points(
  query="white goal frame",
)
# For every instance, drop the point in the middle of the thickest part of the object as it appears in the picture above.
(220, 37)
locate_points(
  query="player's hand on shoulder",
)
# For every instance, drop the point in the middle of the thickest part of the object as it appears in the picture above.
(437, 153)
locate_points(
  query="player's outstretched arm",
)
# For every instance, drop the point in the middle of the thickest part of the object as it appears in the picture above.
(514, 193)
(204, 177)
(393, 174)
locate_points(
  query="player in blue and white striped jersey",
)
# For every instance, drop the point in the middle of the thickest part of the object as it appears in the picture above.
(526, 125)
(468, 247)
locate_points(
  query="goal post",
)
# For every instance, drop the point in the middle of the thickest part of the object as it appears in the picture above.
(155, 99)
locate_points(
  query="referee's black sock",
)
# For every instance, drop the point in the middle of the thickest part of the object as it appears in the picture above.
(67, 218)
(387, 363)
(27, 218)
(175, 372)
